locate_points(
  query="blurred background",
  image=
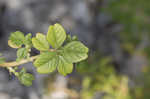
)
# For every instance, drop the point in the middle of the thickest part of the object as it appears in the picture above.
(117, 33)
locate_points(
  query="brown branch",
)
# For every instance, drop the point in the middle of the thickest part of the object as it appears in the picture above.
(14, 63)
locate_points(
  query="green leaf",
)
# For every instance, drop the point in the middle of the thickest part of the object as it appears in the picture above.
(46, 62)
(40, 42)
(12, 45)
(74, 52)
(28, 40)
(26, 79)
(56, 35)
(16, 38)
(63, 67)
(70, 39)
(74, 38)
(23, 70)
(21, 53)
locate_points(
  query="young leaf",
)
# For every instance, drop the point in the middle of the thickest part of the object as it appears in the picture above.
(21, 53)
(46, 62)
(74, 52)
(23, 70)
(16, 39)
(70, 39)
(40, 42)
(74, 38)
(63, 67)
(56, 35)
(26, 79)
(28, 40)
(12, 45)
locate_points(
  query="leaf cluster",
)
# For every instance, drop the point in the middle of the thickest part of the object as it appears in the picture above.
(54, 54)
(57, 51)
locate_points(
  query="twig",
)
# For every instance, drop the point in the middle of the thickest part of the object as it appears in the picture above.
(14, 63)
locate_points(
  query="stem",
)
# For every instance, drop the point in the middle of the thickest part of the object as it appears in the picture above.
(14, 63)
(11, 70)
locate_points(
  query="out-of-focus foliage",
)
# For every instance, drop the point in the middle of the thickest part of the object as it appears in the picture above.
(100, 77)
(134, 16)
(142, 86)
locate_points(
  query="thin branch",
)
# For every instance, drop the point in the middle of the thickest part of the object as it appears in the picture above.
(14, 63)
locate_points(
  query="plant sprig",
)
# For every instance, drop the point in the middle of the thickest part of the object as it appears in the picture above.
(54, 54)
